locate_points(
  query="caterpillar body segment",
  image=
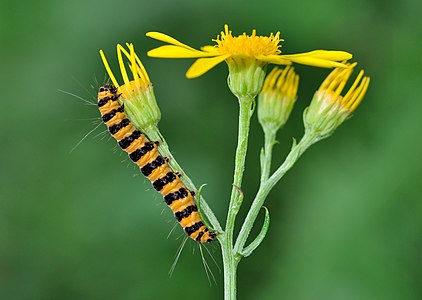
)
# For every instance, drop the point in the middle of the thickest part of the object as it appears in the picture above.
(144, 153)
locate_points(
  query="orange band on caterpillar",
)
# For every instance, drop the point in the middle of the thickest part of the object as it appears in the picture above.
(144, 153)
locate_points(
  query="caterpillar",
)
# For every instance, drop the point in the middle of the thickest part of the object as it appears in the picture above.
(144, 153)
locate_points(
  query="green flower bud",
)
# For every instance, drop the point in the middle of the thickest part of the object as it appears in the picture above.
(328, 109)
(277, 98)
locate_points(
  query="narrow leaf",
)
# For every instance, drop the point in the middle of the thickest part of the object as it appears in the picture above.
(262, 158)
(258, 240)
(198, 203)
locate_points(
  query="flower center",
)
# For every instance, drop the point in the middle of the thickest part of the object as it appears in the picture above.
(248, 45)
(132, 87)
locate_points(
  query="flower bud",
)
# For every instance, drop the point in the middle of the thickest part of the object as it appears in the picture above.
(137, 95)
(328, 109)
(277, 98)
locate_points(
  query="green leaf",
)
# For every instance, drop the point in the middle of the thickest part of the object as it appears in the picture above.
(198, 203)
(262, 158)
(294, 143)
(258, 240)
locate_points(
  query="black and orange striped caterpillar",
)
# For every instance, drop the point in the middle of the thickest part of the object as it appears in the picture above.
(144, 153)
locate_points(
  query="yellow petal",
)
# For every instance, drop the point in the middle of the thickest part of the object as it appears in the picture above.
(316, 62)
(107, 66)
(274, 59)
(209, 48)
(202, 65)
(169, 51)
(324, 54)
(167, 39)
(365, 84)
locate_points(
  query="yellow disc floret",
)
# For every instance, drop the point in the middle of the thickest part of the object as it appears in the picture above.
(247, 45)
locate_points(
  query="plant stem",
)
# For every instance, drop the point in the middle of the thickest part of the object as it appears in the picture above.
(242, 146)
(265, 188)
(230, 269)
(230, 261)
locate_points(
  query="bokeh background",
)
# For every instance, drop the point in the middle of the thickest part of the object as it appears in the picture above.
(346, 221)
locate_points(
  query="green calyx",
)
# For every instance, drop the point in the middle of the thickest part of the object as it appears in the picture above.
(324, 115)
(274, 109)
(246, 76)
(142, 109)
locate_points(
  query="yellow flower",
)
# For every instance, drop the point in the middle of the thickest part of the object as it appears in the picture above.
(328, 108)
(137, 94)
(265, 49)
(139, 74)
(277, 98)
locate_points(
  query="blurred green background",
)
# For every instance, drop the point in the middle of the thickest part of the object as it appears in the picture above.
(346, 221)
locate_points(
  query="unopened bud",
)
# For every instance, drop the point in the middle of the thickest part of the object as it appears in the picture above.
(328, 108)
(277, 98)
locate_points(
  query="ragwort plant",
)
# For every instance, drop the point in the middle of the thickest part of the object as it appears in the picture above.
(247, 57)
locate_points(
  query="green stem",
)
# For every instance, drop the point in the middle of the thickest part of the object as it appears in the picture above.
(265, 188)
(154, 134)
(230, 261)
(242, 146)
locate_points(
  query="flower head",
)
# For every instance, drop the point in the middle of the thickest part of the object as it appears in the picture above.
(264, 49)
(277, 98)
(137, 94)
(328, 108)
